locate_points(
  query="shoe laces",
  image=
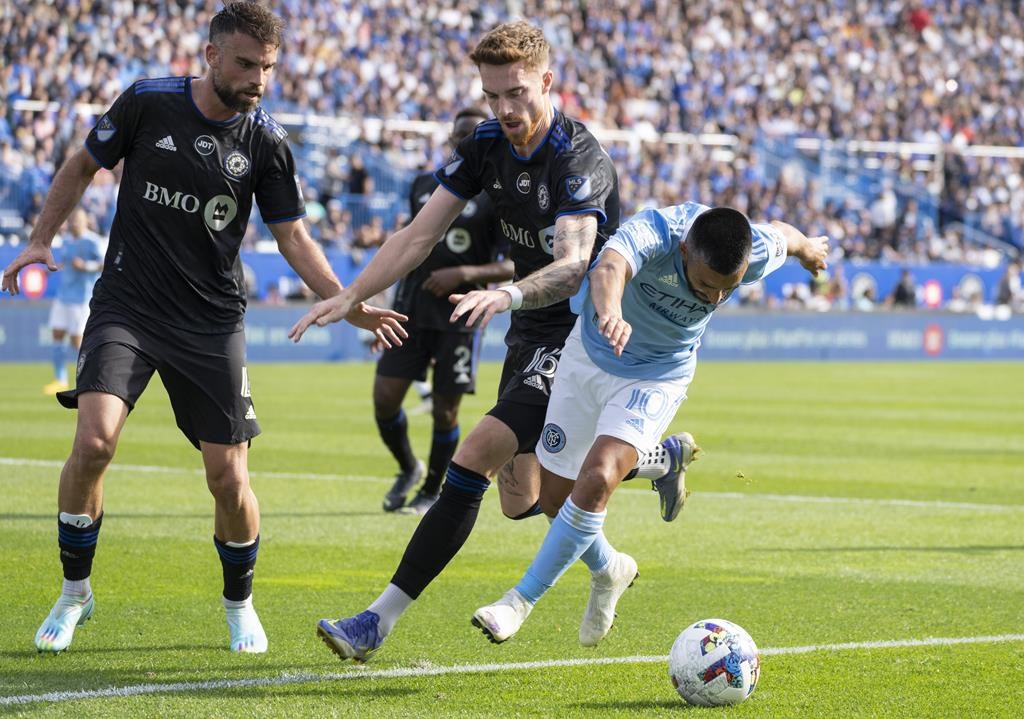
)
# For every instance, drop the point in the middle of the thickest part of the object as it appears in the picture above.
(362, 629)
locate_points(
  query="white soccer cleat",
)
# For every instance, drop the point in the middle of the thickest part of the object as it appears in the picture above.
(247, 635)
(501, 620)
(58, 628)
(606, 587)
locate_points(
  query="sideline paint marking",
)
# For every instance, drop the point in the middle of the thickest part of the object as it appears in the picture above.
(759, 496)
(434, 671)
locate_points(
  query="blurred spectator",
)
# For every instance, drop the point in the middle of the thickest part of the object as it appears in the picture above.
(865, 301)
(358, 181)
(904, 294)
(1009, 292)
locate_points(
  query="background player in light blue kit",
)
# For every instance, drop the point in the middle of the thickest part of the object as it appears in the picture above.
(83, 260)
(625, 370)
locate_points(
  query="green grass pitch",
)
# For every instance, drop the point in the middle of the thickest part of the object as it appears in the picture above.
(836, 504)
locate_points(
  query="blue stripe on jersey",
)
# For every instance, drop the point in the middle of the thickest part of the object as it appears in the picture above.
(262, 119)
(283, 219)
(96, 159)
(441, 182)
(587, 210)
(166, 84)
(486, 126)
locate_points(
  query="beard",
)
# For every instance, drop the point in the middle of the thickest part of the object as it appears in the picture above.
(234, 99)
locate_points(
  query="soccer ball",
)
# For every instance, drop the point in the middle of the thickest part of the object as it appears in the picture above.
(714, 663)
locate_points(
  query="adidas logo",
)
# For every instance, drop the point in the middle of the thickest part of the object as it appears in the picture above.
(536, 382)
(251, 414)
(672, 280)
(167, 144)
(636, 423)
(496, 185)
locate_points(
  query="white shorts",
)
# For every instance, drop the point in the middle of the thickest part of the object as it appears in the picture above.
(70, 318)
(587, 402)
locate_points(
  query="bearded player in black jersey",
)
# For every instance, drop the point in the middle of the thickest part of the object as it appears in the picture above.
(466, 258)
(556, 196)
(171, 298)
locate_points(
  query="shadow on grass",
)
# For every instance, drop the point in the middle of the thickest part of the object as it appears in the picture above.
(963, 549)
(112, 517)
(636, 706)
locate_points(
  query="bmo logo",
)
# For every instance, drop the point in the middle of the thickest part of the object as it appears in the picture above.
(218, 212)
(178, 200)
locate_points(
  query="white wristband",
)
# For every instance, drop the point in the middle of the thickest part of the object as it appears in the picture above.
(516, 294)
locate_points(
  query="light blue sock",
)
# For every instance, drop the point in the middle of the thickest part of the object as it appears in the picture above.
(598, 554)
(572, 532)
(60, 365)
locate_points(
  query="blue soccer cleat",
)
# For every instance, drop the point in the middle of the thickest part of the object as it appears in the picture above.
(58, 628)
(355, 638)
(671, 487)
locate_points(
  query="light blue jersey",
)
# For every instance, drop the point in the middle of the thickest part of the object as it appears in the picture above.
(667, 319)
(76, 285)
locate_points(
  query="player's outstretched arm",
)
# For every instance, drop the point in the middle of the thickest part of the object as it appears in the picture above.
(574, 241)
(811, 251)
(401, 253)
(445, 279)
(66, 191)
(607, 282)
(309, 262)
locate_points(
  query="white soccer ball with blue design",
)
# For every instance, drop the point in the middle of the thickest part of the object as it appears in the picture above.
(714, 663)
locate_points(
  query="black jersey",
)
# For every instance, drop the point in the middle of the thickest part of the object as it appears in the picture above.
(569, 173)
(186, 192)
(472, 239)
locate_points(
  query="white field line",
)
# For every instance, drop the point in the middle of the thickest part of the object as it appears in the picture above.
(757, 496)
(433, 671)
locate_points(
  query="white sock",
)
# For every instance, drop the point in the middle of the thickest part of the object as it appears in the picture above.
(79, 588)
(237, 603)
(654, 463)
(389, 606)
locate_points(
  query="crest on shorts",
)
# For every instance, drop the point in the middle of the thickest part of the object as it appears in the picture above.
(236, 164)
(553, 438)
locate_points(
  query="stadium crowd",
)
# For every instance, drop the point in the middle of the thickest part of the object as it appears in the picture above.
(938, 71)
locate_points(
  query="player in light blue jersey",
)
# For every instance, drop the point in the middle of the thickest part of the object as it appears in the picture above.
(83, 261)
(624, 372)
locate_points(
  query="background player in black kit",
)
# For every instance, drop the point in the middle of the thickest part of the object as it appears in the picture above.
(171, 298)
(464, 259)
(555, 192)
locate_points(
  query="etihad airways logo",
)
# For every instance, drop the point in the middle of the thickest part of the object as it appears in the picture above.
(218, 211)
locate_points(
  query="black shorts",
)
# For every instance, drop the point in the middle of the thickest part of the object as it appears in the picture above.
(453, 354)
(205, 375)
(524, 390)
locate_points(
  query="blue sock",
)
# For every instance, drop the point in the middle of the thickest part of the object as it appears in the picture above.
(60, 366)
(598, 554)
(572, 532)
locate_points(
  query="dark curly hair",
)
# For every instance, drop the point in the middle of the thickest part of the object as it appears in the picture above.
(249, 18)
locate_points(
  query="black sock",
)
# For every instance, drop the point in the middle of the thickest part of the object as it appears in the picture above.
(442, 447)
(238, 564)
(395, 433)
(442, 531)
(77, 548)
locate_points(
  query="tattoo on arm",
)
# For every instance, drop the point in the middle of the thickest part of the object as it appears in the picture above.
(574, 241)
